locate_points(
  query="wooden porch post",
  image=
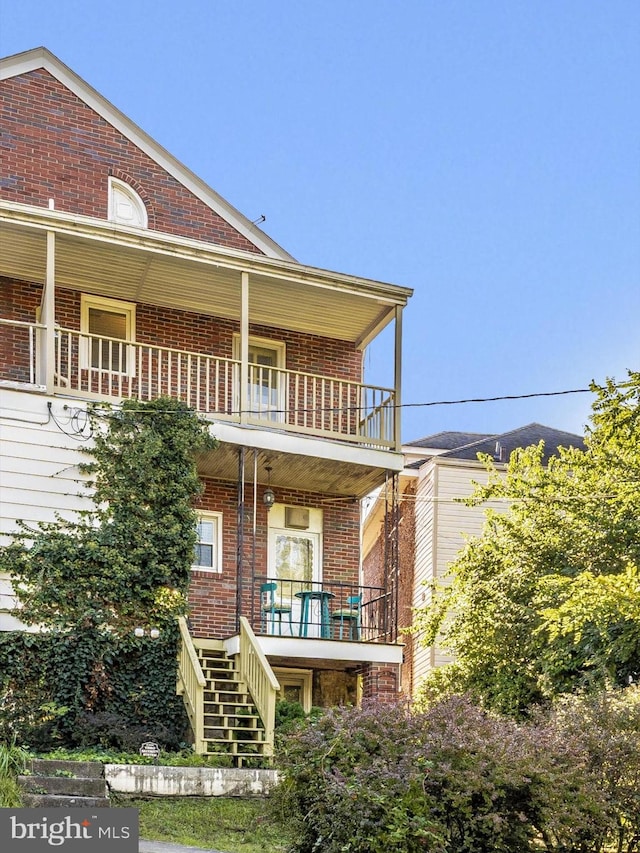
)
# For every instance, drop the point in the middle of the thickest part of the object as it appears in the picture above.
(244, 347)
(48, 317)
(397, 411)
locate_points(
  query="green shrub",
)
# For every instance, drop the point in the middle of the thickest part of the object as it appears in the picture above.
(451, 780)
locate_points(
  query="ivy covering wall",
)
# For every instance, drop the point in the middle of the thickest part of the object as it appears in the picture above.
(85, 676)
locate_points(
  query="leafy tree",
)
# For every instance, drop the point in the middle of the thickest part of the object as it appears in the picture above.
(547, 600)
(128, 558)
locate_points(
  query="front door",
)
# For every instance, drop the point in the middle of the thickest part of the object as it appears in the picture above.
(295, 559)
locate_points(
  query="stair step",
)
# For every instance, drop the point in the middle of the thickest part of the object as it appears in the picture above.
(226, 697)
(62, 785)
(224, 735)
(79, 769)
(49, 801)
(217, 661)
(234, 721)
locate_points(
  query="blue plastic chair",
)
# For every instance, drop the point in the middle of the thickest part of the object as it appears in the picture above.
(271, 611)
(348, 618)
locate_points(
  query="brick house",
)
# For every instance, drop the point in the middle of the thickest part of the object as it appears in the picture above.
(123, 275)
(423, 509)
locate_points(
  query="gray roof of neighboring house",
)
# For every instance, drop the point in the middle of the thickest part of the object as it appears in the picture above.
(501, 445)
(448, 440)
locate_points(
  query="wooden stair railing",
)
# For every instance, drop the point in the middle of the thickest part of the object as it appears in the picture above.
(230, 701)
(191, 684)
(255, 671)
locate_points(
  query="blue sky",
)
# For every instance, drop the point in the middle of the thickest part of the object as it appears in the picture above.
(486, 154)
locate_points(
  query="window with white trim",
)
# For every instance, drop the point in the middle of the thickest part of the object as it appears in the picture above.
(107, 322)
(207, 552)
(125, 205)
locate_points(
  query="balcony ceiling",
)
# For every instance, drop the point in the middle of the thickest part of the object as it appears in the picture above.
(329, 477)
(98, 257)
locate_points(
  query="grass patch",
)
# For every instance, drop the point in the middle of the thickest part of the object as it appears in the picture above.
(13, 761)
(226, 823)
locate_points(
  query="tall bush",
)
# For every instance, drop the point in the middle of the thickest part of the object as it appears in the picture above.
(453, 779)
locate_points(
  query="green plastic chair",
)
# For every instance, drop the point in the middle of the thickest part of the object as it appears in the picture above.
(273, 612)
(348, 618)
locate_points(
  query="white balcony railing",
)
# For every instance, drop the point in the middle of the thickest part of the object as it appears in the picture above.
(94, 367)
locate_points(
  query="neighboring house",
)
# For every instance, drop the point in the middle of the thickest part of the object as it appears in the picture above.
(123, 275)
(432, 524)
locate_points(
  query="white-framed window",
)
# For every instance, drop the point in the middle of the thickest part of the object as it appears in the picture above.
(125, 205)
(107, 322)
(207, 553)
(266, 395)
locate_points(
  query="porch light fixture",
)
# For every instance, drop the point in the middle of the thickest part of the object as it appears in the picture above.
(268, 497)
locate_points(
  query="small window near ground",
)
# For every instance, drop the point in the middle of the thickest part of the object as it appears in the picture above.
(207, 556)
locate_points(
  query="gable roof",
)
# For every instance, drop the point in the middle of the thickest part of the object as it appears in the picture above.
(448, 440)
(499, 445)
(41, 58)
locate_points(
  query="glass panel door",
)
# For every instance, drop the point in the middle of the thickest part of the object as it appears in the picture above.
(295, 565)
(265, 399)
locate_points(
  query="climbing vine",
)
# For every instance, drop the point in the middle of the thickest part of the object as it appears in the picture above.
(90, 582)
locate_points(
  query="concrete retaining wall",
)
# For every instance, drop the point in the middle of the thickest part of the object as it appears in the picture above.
(146, 779)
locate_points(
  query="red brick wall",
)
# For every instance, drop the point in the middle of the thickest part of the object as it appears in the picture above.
(213, 596)
(54, 146)
(373, 570)
(380, 683)
(187, 330)
(18, 301)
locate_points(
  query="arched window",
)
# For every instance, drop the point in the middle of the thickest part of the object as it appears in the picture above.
(125, 205)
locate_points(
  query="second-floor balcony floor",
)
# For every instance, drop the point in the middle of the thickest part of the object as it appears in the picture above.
(96, 367)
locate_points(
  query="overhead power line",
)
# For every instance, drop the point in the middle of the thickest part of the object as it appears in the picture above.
(348, 408)
(493, 399)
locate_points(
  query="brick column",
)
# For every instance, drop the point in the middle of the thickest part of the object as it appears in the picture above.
(380, 682)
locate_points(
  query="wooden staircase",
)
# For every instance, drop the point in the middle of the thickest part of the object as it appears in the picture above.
(232, 725)
(230, 698)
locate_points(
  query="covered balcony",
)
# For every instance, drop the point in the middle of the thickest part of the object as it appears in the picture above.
(79, 254)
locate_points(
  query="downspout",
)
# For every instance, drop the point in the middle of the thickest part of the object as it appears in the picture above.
(240, 544)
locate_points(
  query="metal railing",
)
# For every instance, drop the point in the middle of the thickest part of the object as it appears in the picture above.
(323, 610)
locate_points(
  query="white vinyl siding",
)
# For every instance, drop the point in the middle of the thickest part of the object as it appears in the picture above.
(39, 474)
